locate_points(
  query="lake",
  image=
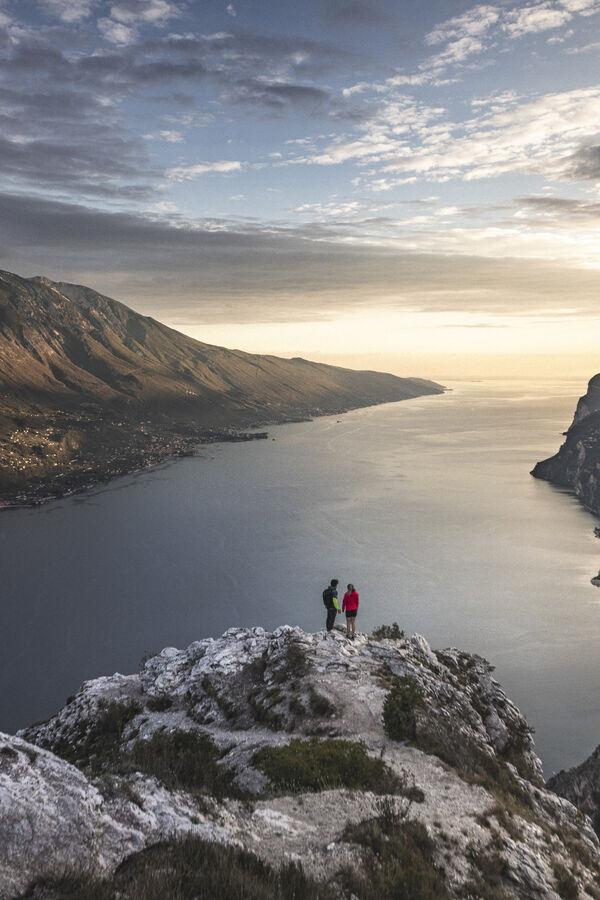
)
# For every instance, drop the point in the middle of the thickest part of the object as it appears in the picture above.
(427, 506)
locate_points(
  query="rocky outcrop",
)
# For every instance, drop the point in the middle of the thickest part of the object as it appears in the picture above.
(244, 740)
(581, 785)
(577, 463)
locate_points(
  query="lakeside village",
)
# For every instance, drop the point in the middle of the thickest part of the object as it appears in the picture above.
(67, 453)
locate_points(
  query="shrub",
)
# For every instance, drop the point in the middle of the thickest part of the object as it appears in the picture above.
(315, 765)
(399, 861)
(295, 664)
(391, 632)
(405, 696)
(263, 712)
(159, 704)
(98, 747)
(222, 702)
(184, 868)
(320, 705)
(182, 759)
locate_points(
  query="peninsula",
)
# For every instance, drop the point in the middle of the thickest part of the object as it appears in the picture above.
(90, 389)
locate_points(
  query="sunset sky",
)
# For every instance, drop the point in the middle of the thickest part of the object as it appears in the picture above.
(391, 183)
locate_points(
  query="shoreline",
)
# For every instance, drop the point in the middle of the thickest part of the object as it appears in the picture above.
(175, 446)
(165, 454)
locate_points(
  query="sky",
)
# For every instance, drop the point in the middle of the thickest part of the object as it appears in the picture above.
(404, 185)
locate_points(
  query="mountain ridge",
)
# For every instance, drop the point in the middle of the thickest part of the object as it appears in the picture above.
(88, 385)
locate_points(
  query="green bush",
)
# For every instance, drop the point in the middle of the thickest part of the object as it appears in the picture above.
(186, 760)
(98, 747)
(391, 632)
(159, 704)
(399, 721)
(315, 765)
(398, 863)
(183, 868)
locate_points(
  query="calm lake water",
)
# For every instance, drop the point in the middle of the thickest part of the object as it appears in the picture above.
(426, 505)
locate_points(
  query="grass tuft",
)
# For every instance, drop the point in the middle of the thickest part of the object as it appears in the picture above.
(185, 868)
(315, 765)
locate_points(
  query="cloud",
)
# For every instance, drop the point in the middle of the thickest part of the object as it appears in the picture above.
(473, 23)
(535, 18)
(195, 272)
(230, 8)
(584, 164)
(117, 32)
(69, 11)
(585, 7)
(535, 137)
(562, 212)
(188, 173)
(135, 12)
(127, 16)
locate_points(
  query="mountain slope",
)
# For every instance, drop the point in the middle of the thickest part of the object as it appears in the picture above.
(87, 384)
(577, 463)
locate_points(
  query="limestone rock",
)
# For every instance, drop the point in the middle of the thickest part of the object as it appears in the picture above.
(471, 775)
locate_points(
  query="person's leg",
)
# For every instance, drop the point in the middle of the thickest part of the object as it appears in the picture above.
(353, 625)
(330, 619)
(348, 625)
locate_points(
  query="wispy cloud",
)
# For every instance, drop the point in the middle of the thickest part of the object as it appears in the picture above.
(535, 18)
(188, 173)
(69, 11)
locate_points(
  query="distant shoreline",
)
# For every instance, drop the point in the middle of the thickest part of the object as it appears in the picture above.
(175, 446)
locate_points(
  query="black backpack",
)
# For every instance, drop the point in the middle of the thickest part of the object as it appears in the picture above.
(328, 597)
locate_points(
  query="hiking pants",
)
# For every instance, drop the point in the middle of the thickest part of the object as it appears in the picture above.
(331, 617)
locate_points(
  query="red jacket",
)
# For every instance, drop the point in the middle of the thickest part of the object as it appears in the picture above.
(350, 601)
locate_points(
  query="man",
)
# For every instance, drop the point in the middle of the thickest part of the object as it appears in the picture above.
(332, 604)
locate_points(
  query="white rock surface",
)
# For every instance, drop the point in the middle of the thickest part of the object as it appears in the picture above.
(249, 689)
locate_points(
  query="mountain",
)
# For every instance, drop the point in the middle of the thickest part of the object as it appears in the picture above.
(577, 463)
(89, 388)
(272, 765)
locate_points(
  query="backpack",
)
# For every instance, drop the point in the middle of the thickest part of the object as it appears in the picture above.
(328, 597)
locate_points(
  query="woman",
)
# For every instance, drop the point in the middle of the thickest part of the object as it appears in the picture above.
(350, 607)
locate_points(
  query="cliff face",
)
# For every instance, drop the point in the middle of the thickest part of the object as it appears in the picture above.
(577, 463)
(378, 766)
(89, 388)
(581, 785)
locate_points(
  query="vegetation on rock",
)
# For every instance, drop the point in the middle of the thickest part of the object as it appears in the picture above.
(399, 709)
(318, 765)
(399, 860)
(391, 632)
(185, 868)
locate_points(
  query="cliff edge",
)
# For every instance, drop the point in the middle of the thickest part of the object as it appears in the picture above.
(577, 463)
(292, 764)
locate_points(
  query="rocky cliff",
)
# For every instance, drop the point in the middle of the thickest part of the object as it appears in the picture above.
(287, 764)
(89, 388)
(581, 785)
(577, 463)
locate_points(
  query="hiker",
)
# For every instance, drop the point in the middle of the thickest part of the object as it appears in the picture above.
(350, 607)
(332, 604)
